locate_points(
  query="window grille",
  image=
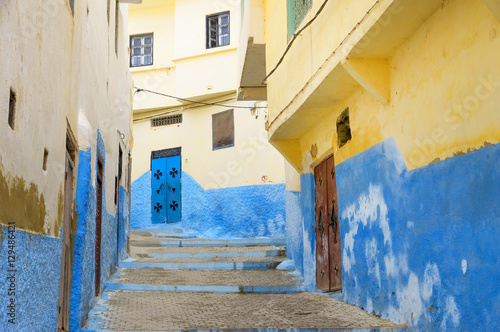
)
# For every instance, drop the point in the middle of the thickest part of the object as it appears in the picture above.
(141, 48)
(166, 120)
(218, 30)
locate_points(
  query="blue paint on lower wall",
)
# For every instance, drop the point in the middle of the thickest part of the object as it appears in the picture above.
(294, 230)
(425, 243)
(38, 266)
(83, 282)
(300, 228)
(239, 212)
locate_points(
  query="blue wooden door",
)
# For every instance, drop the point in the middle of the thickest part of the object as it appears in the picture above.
(166, 189)
(158, 190)
(174, 189)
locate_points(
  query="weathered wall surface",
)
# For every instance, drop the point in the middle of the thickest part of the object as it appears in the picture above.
(300, 229)
(444, 87)
(416, 183)
(252, 160)
(35, 284)
(241, 212)
(236, 191)
(83, 286)
(180, 53)
(30, 196)
(68, 77)
(421, 246)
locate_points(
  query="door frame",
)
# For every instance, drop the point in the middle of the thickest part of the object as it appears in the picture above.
(99, 208)
(329, 224)
(67, 237)
(167, 153)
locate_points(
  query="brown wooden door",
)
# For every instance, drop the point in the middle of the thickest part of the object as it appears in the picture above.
(98, 222)
(65, 280)
(328, 248)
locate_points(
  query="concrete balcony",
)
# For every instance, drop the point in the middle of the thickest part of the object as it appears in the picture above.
(252, 52)
(329, 72)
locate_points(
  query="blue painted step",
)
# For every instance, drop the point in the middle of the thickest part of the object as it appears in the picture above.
(250, 265)
(200, 254)
(224, 243)
(116, 286)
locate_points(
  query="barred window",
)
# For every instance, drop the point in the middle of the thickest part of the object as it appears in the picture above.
(218, 30)
(166, 120)
(141, 50)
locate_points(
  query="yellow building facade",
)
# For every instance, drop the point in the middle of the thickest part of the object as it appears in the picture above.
(404, 95)
(186, 111)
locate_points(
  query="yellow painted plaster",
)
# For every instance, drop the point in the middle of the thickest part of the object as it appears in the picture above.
(444, 92)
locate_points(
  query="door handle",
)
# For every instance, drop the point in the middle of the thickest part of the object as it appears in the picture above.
(334, 222)
(320, 226)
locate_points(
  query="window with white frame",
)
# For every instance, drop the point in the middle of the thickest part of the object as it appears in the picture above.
(141, 50)
(218, 30)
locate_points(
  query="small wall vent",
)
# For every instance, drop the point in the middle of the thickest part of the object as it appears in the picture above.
(166, 120)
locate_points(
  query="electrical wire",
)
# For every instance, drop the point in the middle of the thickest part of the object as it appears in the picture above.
(173, 111)
(196, 102)
(295, 35)
(334, 52)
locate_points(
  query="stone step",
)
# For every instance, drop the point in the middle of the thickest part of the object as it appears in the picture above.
(169, 233)
(215, 263)
(213, 281)
(167, 311)
(152, 241)
(205, 252)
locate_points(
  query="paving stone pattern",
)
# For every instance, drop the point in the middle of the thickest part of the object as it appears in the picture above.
(164, 311)
(212, 259)
(141, 310)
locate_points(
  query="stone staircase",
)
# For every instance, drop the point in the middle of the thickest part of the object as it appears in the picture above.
(174, 282)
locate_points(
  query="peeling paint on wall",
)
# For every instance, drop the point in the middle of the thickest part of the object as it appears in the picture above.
(38, 266)
(245, 211)
(22, 204)
(419, 247)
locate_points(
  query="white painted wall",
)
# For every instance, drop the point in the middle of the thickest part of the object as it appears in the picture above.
(202, 75)
(65, 72)
(251, 161)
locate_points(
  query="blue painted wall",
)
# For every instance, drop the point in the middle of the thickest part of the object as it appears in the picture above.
(300, 229)
(38, 266)
(83, 283)
(425, 243)
(242, 212)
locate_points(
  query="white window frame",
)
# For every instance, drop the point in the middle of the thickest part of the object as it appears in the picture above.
(214, 24)
(142, 47)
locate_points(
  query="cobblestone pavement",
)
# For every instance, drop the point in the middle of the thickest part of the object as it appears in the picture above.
(206, 277)
(164, 311)
(139, 306)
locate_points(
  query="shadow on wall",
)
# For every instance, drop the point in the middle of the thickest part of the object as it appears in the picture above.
(239, 212)
(421, 247)
(83, 283)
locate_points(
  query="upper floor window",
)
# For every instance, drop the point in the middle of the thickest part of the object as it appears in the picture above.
(218, 30)
(141, 50)
(297, 10)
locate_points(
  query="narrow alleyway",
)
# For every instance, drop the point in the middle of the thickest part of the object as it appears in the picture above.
(172, 283)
